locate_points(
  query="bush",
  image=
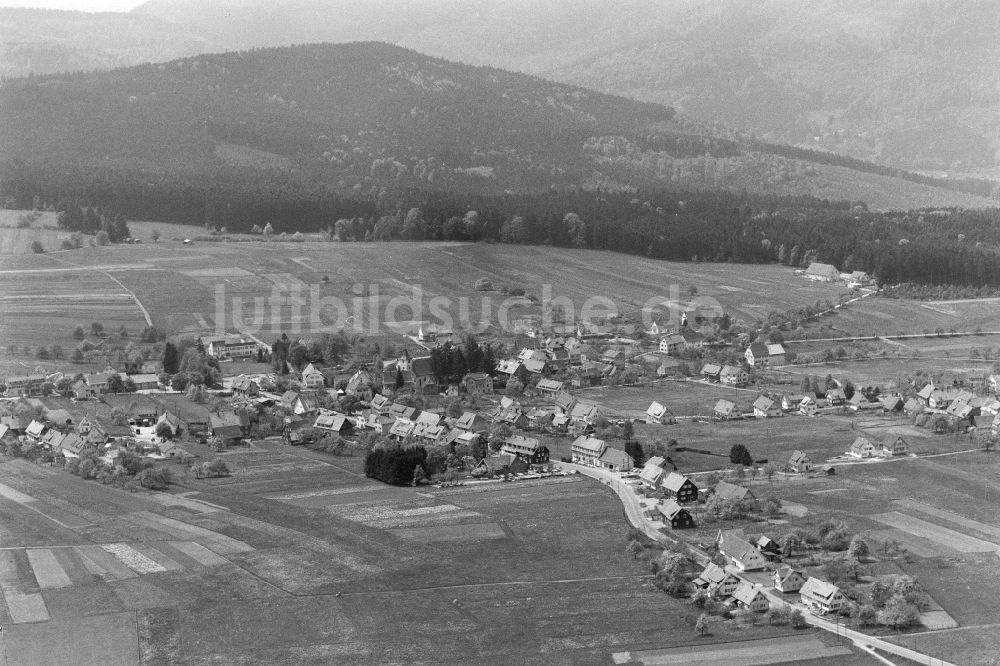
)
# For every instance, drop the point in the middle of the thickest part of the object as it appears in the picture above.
(37, 248)
(797, 619)
(394, 464)
(154, 478)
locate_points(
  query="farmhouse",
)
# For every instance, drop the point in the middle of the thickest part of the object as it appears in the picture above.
(769, 547)
(894, 445)
(913, 406)
(680, 488)
(312, 377)
(925, 393)
(859, 402)
(836, 396)
(615, 460)
(710, 371)
(195, 417)
(671, 344)
(380, 404)
(732, 375)
(787, 579)
(891, 402)
(98, 381)
(477, 383)
(333, 422)
(822, 597)
(756, 355)
(822, 272)
(739, 551)
(512, 369)
(172, 422)
(402, 412)
(585, 412)
(751, 597)
(587, 450)
(361, 384)
(653, 472)
(245, 387)
(725, 410)
(941, 399)
(764, 407)
(587, 375)
(808, 406)
(657, 413)
(862, 448)
(675, 515)
(549, 387)
(731, 491)
(145, 382)
(790, 402)
(527, 448)
(82, 390)
(717, 581)
(799, 462)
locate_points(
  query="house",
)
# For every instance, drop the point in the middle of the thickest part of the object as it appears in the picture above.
(615, 460)
(98, 381)
(35, 429)
(587, 450)
(862, 448)
(675, 515)
(229, 427)
(564, 402)
(549, 387)
(731, 491)
(477, 383)
(229, 347)
(962, 411)
(710, 372)
(528, 448)
(994, 383)
(82, 390)
(24, 385)
(799, 462)
(859, 402)
(717, 581)
(288, 399)
(171, 450)
(751, 597)
(787, 579)
(52, 439)
(671, 344)
(333, 422)
(193, 416)
(913, 406)
(72, 445)
(941, 399)
(775, 355)
(402, 412)
(891, 402)
(536, 366)
(731, 375)
(653, 473)
(657, 413)
(245, 387)
(925, 393)
(680, 488)
(836, 396)
(401, 429)
(756, 355)
(822, 597)
(361, 384)
(512, 369)
(894, 445)
(739, 551)
(172, 422)
(764, 407)
(380, 404)
(305, 403)
(380, 424)
(313, 378)
(466, 421)
(790, 402)
(769, 547)
(585, 412)
(612, 356)
(725, 410)
(145, 381)
(858, 279)
(539, 418)
(586, 375)
(822, 272)
(809, 406)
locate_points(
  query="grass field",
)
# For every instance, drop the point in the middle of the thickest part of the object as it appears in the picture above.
(890, 316)
(15, 241)
(298, 559)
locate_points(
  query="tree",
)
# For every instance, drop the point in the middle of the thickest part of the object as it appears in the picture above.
(76, 356)
(154, 478)
(898, 613)
(78, 333)
(789, 543)
(634, 449)
(171, 360)
(859, 548)
(797, 619)
(772, 506)
(116, 384)
(156, 235)
(36, 247)
(740, 455)
(864, 615)
(97, 329)
(164, 431)
(634, 548)
(215, 467)
(701, 624)
(102, 238)
(769, 470)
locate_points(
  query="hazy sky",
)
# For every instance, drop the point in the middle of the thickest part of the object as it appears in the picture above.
(80, 5)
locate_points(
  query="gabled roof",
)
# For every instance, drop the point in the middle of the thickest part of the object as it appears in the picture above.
(763, 403)
(784, 573)
(731, 371)
(564, 401)
(591, 444)
(713, 574)
(775, 350)
(379, 401)
(758, 349)
(711, 369)
(823, 270)
(926, 391)
(724, 406)
(331, 421)
(584, 411)
(746, 592)
(4, 429)
(653, 470)
(549, 385)
(423, 366)
(35, 428)
(72, 443)
(674, 481)
(670, 508)
(798, 457)
(244, 383)
(656, 410)
(860, 443)
(466, 420)
(402, 429)
(731, 491)
(819, 589)
(736, 547)
(616, 457)
(429, 419)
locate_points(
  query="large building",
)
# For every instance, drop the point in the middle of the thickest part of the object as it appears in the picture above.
(226, 347)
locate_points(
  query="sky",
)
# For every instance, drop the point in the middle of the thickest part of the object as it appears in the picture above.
(79, 5)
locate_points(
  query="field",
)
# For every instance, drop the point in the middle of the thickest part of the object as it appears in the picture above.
(269, 287)
(18, 241)
(890, 316)
(295, 559)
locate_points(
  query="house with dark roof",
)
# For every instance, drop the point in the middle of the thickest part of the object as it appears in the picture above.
(894, 445)
(731, 491)
(680, 488)
(822, 272)
(674, 515)
(717, 581)
(799, 462)
(756, 355)
(528, 448)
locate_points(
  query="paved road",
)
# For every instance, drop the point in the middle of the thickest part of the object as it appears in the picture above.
(634, 509)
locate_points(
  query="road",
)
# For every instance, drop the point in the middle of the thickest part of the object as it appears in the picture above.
(633, 511)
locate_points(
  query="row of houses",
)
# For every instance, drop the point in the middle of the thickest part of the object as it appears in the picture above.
(887, 447)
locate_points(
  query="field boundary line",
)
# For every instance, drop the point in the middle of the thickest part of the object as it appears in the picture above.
(142, 308)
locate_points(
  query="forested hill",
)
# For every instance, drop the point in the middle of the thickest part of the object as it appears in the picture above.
(366, 120)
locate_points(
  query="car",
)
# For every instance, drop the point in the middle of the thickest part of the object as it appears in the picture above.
(187, 241)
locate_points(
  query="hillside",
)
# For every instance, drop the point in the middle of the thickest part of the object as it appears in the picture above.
(359, 118)
(902, 82)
